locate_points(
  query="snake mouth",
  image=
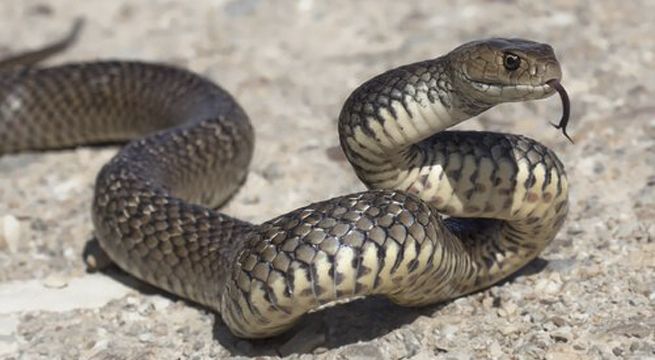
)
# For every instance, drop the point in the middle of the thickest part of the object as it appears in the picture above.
(547, 88)
(497, 89)
(566, 106)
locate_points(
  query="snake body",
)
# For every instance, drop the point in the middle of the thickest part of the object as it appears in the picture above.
(505, 195)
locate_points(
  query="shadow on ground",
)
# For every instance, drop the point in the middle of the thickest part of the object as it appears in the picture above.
(330, 328)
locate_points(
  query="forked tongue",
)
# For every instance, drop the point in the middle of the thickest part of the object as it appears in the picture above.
(566, 106)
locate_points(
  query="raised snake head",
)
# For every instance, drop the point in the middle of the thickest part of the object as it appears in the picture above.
(493, 71)
(498, 70)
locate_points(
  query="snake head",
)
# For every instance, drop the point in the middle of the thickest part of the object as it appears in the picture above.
(495, 71)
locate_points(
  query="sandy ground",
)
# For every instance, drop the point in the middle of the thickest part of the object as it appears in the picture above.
(591, 295)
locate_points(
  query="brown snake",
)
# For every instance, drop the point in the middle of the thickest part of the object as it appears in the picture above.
(505, 196)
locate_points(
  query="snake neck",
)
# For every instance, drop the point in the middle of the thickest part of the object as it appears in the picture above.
(505, 195)
(385, 119)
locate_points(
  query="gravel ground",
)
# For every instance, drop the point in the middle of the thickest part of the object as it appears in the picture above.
(591, 294)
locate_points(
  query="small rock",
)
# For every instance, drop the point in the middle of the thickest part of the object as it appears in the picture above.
(509, 329)
(460, 355)
(617, 351)
(558, 321)
(145, 337)
(574, 229)
(548, 286)
(411, 341)
(160, 303)
(55, 281)
(563, 334)
(8, 339)
(362, 352)
(95, 257)
(10, 233)
(132, 301)
(98, 347)
(650, 233)
(145, 308)
(495, 351)
(487, 302)
(422, 355)
(449, 330)
(508, 309)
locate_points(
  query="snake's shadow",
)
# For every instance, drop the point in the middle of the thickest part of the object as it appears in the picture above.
(333, 327)
(343, 324)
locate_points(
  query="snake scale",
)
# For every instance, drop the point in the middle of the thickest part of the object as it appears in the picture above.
(190, 143)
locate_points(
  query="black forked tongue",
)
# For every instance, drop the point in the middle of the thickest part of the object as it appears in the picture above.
(566, 107)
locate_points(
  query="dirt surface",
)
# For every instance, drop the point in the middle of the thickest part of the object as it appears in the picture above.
(591, 294)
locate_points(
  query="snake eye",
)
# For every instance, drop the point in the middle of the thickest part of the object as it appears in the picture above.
(511, 61)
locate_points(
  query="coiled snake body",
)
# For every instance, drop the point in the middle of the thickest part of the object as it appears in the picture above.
(505, 195)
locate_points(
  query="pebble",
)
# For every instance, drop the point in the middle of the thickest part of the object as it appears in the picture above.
(449, 331)
(495, 350)
(8, 328)
(95, 258)
(575, 229)
(363, 352)
(509, 329)
(558, 320)
(11, 233)
(98, 347)
(562, 334)
(145, 337)
(460, 355)
(160, 303)
(550, 286)
(411, 340)
(422, 355)
(55, 281)
(507, 309)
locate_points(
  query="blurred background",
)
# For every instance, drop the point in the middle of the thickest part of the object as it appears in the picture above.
(291, 64)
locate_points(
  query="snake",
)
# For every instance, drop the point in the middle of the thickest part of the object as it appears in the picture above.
(446, 213)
